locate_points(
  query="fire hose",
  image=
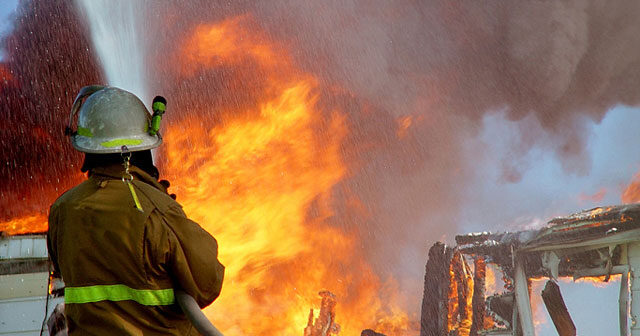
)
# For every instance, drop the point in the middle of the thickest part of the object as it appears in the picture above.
(57, 324)
(195, 315)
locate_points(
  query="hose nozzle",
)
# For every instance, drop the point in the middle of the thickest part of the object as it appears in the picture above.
(159, 106)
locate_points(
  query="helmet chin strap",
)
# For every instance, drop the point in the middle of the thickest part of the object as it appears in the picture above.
(77, 103)
(127, 178)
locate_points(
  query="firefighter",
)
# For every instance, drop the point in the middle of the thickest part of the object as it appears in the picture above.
(121, 244)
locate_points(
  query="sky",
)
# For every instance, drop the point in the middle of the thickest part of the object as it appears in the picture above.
(546, 190)
(498, 198)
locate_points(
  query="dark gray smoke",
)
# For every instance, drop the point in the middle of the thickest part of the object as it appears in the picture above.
(564, 62)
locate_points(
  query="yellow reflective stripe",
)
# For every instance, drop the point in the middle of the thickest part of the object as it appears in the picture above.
(84, 132)
(121, 142)
(147, 297)
(135, 196)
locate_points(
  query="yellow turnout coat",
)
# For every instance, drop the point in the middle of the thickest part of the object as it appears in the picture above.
(121, 265)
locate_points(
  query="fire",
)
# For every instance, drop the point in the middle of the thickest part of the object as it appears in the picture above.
(584, 225)
(540, 316)
(632, 193)
(599, 281)
(404, 124)
(452, 305)
(261, 181)
(460, 310)
(212, 45)
(26, 224)
(6, 76)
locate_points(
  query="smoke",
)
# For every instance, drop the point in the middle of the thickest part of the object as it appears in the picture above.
(556, 67)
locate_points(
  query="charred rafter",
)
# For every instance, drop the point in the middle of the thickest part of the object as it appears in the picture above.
(599, 242)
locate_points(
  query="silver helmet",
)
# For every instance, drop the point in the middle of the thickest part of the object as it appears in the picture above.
(109, 119)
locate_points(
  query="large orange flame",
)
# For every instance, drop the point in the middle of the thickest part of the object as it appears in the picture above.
(261, 182)
(459, 309)
(631, 194)
(29, 221)
(24, 224)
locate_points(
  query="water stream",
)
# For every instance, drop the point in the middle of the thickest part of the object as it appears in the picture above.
(116, 28)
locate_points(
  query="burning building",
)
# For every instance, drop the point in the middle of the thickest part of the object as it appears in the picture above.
(332, 130)
(600, 244)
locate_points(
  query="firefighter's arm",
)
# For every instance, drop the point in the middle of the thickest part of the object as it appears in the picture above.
(193, 258)
(52, 242)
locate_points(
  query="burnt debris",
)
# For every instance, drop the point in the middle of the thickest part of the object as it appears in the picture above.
(600, 243)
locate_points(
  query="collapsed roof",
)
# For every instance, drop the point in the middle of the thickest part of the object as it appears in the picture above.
(599, 242)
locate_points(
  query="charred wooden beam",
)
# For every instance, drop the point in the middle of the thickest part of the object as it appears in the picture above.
(478, 238)
(478, 301)
(457, 270)
(557, 309)
(460, 314)
(433, 319)
(502, 307)
(325, 324)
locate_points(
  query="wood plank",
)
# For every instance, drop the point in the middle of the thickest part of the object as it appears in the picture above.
(557, 309)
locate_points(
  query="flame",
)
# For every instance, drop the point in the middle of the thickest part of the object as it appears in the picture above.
(261, 181)
(595, 198)
(586, 220)
(460, 291)
(540, 316)
(404, 124)
(598, 281)
(581, 226)
(452, 304)
(212, 45)
(25, 224)
(597, 211)
(631, 194)
(6, 76)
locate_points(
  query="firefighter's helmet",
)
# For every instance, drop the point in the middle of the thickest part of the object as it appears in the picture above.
(109, 119)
